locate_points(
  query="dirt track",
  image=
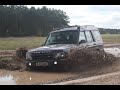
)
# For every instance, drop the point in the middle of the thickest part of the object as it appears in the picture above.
(107, 79)
(112, 45)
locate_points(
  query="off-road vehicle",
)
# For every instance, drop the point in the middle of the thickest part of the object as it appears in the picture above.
(60, 41)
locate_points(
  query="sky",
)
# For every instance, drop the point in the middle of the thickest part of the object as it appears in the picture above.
(101, 16)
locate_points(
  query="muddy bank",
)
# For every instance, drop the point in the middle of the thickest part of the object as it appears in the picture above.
(14, 62)
(7, 53)
(105, 79)
(12, 65)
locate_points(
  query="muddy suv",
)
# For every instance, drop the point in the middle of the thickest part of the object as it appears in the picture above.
(60, 41)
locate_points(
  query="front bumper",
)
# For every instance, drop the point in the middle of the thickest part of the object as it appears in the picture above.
(45, 63)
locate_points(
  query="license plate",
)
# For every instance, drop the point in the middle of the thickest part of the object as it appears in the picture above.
(42, 64)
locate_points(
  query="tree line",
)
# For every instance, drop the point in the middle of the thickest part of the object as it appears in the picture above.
(19, 20)
(109, 31)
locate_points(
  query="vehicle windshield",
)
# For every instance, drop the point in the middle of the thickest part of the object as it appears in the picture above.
(63, 37)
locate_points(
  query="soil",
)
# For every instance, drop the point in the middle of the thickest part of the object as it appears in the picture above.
(12, 65)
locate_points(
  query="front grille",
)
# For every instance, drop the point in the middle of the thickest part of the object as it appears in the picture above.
(44, 55)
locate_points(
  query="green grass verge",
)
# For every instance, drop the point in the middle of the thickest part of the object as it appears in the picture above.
(13, 43)
(114, 38)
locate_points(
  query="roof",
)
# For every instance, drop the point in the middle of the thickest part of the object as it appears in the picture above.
(76, 27)
(88, 27)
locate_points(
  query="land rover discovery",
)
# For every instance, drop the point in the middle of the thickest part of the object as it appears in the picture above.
(60, 41)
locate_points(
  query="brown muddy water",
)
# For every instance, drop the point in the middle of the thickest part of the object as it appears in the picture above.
(27, 78)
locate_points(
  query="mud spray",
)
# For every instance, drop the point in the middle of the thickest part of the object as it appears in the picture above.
(85, 59)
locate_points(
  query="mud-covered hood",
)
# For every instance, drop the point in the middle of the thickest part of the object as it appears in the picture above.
(64, 47)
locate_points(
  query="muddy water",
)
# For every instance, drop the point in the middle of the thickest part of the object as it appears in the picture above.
(7, 80)
(26, 77)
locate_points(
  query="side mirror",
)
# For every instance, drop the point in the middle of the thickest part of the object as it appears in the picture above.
(82, 41)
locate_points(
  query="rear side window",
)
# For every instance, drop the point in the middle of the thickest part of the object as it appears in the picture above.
(82, 36)
(97, 36)
(89, 36)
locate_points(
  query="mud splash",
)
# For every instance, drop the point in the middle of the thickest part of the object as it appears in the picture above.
(92, 58)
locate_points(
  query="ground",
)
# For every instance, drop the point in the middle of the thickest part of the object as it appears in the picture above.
(48, 76)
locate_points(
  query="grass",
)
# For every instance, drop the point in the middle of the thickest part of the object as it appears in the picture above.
(13, 43)
(114, 38)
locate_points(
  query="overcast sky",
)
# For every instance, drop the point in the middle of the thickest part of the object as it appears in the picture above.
(106, 16)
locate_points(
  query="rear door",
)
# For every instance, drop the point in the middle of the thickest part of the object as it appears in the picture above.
(98, 43)
(90, 40)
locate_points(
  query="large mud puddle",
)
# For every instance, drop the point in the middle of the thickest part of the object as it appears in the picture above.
(28, 78)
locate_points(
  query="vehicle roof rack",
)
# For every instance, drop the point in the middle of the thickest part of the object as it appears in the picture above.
(76, 26)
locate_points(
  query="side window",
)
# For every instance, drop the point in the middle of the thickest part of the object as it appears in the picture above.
(89, 36)
(82, 36)
(97, 36)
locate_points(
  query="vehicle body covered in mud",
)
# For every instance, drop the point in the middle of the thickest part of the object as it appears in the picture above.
(59, 43)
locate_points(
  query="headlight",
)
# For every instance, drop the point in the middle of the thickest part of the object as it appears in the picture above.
(28, 56)
(60, 55)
